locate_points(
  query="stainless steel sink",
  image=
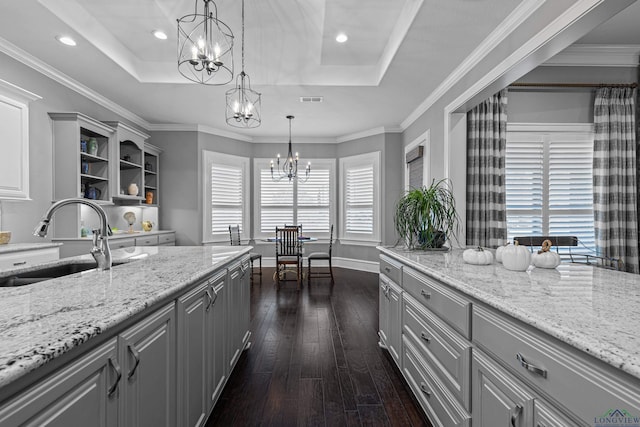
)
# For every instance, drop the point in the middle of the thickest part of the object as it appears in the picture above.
(47, 273)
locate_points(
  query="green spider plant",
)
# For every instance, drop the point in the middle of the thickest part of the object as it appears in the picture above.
(426, 217)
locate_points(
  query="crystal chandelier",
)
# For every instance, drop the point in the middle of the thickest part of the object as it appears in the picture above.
(205, 47)
(243, 103)
(289, 168)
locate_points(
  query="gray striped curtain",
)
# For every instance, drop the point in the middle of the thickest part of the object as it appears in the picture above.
(486, 145)
(614, 176)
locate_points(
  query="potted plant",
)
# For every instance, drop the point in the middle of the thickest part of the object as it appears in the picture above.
(426, 217)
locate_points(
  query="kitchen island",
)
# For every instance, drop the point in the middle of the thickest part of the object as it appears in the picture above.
(49, 326)
(542, 347)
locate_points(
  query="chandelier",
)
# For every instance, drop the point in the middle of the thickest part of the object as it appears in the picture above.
(205, 47)
(243, 103)
(289, 168)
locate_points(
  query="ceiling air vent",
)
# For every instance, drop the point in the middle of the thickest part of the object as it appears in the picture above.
(311, 99)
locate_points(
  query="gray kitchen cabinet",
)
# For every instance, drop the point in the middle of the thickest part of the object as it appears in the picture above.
(499, 399)
(79, 171)
(390, 317)
(217, 363)
(148, 355)
(85, 390)
(26, 258)
(202, 351)
(127, 161)
(194, 334)
(238, 310)
(14, 134)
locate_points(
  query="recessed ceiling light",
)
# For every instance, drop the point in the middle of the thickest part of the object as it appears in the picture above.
(66, 40)
(341, 38)
(159, 34)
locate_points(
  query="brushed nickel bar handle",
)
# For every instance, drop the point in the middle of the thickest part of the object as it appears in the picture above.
(425, 294)
(136, 356)
(387, 269)
(215, 296)
(208, 294)
(530, 367)
(116, 367)
(516, 414)
(424, 336)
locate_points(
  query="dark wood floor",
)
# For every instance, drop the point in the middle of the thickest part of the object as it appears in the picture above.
(314, 360)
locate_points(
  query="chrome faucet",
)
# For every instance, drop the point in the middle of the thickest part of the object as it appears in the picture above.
(100, 251)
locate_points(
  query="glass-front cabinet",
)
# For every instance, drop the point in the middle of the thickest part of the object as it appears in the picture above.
(128, 161)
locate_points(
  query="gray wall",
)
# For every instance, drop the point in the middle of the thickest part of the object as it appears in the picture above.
(21, 217)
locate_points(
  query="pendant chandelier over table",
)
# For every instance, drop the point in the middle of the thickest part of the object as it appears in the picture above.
(288, 169)
(205, 46)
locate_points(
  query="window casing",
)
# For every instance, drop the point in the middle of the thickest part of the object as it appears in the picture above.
(310, 204)
(360, 199)
(549, 182)
(226, 196)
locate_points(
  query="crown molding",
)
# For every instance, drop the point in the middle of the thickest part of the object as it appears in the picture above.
(24, 95)
(516, 18)
(596, 55)
(365, 133)
(58, 76)
(296, 139)
(182, 127)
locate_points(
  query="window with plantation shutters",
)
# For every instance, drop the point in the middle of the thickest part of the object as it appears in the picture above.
(226, 196)
(549, 181)
(360, 198)
(310, 203)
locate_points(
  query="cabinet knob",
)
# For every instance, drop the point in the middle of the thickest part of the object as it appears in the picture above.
(387, 269)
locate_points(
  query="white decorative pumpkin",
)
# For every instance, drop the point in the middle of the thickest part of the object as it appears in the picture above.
(516, 257)
(499, 251)
(477, 256)
(544, 258)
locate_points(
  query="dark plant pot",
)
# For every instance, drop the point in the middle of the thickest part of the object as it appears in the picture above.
(434, 239)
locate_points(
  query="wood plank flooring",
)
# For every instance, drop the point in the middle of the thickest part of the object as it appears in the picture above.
(314, 360)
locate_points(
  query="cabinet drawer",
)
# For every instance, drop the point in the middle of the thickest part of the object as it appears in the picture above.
(167, 239)
(390, 268)
(122, 243)
(442, 408)
(545, 415)
(448, 305)
(27, 258)
(582, 384)
(441, 346)
(147, 241)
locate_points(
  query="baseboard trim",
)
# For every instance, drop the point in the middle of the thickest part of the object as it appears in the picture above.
(350, 263)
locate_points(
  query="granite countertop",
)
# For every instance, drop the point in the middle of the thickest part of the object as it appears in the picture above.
(592, 309)
(20, 247)
(42, 321)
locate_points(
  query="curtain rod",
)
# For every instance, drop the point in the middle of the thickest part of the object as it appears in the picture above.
(573, 85)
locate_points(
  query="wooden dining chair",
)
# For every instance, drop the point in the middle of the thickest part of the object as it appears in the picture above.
(234, 240)
(321, 256)
(288, 252)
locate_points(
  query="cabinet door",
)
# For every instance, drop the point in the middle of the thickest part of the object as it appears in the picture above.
(147, 351)
(245, 304)
(234, 317)
(193, 335)
(545, 415)
(383, 311)
(218, 356)
(394, 334)
(84, 393)
(499, 399)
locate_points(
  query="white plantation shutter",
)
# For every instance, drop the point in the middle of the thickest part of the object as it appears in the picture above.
(549, 185)
(314, 202)
(226, 195)
(276, 202)
(524, 166)
(226, 198)
(359, 200)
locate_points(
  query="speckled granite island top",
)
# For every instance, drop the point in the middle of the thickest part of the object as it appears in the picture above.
(592, 309)
(41, 321)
